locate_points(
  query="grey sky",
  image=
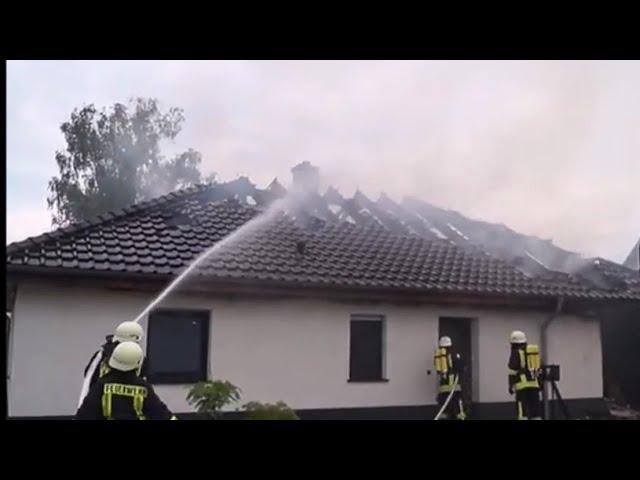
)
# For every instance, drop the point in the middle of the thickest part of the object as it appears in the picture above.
(547, 148)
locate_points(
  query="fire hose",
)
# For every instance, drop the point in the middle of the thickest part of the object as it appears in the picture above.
(444, 405)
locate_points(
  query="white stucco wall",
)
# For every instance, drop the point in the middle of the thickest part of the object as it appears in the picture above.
(573, 343)
(291, 350)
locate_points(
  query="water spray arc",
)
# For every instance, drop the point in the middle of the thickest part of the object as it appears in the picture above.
(251, 226)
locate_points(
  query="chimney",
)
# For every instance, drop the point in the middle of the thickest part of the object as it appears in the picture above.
(306, 178)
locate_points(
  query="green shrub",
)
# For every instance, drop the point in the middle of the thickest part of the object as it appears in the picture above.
(268, 411)
(210, 397)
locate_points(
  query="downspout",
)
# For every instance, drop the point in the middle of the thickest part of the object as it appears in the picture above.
(11, 293)
(543, 350)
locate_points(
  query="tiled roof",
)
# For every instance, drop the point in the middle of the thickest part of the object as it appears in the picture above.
(362, 245)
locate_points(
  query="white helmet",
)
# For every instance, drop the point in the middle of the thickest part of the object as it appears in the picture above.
(128, 332)
(445, 342)
(126, 356)
(517, 337)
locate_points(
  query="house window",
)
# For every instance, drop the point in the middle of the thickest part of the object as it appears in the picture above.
(366, 362)
(178, 346)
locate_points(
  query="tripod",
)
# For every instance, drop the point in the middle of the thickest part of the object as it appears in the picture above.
(551, 375)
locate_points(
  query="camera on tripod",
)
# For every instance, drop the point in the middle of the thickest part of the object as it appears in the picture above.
(550, 373)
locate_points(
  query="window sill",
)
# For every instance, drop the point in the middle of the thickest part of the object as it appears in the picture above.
(377, 380)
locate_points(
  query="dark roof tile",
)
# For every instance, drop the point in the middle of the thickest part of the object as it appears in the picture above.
(175, 262)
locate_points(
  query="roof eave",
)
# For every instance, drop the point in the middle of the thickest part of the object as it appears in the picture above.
(226, 285)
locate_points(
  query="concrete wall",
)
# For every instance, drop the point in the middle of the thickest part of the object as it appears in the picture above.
(291, 350)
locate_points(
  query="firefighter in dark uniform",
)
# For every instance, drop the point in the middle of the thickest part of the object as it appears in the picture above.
(121, 394)
(524, 377)
(98, 365)
(449, 367)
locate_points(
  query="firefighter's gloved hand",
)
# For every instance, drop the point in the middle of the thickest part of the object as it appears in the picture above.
(510, 390)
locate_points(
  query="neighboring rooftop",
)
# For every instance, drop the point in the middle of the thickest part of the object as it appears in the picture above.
(329, 241)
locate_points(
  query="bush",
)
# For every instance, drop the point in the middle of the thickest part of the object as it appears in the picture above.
(210, 397)
(268, 411)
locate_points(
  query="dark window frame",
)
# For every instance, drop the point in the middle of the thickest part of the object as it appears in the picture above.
(172, 378)
(354, 377)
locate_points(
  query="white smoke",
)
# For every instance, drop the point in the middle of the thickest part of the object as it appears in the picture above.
(547, 148)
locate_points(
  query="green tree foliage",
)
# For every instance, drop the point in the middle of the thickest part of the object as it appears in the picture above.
(113, 159)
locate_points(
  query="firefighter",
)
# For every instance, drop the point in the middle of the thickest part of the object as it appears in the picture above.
(121, 394)
(449, 367)
(524, 377)
(98, 365)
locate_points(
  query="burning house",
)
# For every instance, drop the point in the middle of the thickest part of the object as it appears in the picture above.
(335, 306)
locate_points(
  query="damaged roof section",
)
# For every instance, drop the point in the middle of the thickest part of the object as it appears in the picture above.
(633, 260)
(326, 239)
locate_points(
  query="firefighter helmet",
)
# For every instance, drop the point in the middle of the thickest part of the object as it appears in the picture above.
(445, 342)
(126, 356)
(517, 337)
(128, 332)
